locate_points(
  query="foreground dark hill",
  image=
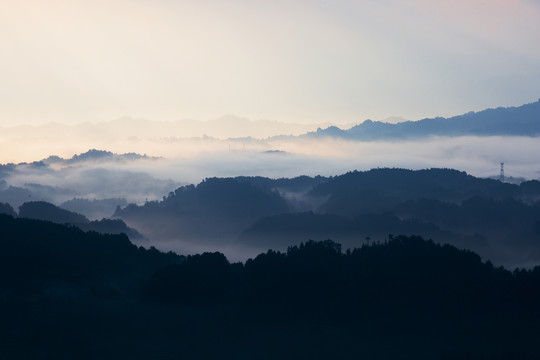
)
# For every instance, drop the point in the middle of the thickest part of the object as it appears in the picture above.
(40, 258)
(69, 294)
(518, 121)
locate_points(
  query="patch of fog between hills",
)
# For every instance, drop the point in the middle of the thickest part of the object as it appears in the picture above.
(233, 252)
(192, 159)
(478, 156)
(93, 182)
(189, 161)
(241, 252)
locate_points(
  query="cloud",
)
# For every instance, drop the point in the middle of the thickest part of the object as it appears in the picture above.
(89, 181)
(191, 160)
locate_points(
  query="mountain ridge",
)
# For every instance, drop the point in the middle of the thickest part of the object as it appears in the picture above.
(259, 212)
(521, 120)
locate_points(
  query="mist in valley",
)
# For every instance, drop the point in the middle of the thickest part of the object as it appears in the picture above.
(99, 183)
(188, 161)
(184, 190)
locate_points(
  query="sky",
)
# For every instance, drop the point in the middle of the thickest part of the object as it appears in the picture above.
(339, 61)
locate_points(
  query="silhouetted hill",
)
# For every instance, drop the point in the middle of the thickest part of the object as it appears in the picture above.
(95, 155)
(296, 184)
(477, 214)
(381, 189)
(70, 294)
(420, 299)
(499, 220)
(217, 208)
(40, 210)
(7, 210)
(521, 121)
(42, 257)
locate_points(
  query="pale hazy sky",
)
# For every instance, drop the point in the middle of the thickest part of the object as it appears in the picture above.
(336, 60)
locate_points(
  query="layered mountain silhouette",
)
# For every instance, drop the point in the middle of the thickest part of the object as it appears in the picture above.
(499, 220)
(227, 126)
(7, 210)
(72, 294)
(41, 210)
(504, 121)
(369, 264)
(215, 208)
(517, 121)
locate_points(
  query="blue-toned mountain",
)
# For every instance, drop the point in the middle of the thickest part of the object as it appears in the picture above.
(510, 121)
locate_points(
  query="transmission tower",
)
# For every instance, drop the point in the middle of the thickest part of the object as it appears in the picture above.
(501, 177)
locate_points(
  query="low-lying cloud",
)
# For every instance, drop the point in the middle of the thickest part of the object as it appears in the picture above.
(191, 160)
(478, 156)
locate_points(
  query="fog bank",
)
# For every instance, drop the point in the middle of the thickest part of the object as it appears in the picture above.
(189, 161)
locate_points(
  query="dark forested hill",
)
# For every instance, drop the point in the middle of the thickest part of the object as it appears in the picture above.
(69, 294)
(7, 209)
(522, 121)
(217, 208)
(499, 220)
(381, 189)
(41, 210)
(39, 257)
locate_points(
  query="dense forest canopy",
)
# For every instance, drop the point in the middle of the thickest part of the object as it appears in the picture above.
(499, 220)
(317, 299)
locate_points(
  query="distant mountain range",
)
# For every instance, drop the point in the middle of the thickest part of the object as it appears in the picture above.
(520, 121)
(228, 126)
(516, 121)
